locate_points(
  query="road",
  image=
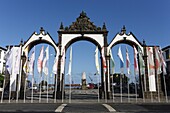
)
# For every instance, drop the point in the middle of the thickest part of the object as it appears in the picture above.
(85, 107)
(84, 102)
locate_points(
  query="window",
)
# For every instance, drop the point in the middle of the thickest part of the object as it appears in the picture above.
(167, 54)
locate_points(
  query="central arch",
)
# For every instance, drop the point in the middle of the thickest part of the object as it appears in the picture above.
(81, 29)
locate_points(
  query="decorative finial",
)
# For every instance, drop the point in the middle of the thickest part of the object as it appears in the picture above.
(104, 26)
(42, 30)
(61, 26)
(82, 14)
(144, 43)
(123, 30)
(21, 42)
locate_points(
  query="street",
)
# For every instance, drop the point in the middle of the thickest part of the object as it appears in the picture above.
(85, 107)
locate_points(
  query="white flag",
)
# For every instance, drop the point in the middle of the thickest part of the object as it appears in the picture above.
(127, 61)
(31, 63)
(97, 60)
(9, 60)
(16, 55)
(112, 63)
(136, 67)
(151, 69)
(121, 59)
(157, 60)
(45, 64)
(56, 62)
(163, 63)
(6, 56)
(70, 62)
(40, 60)
(17, 59)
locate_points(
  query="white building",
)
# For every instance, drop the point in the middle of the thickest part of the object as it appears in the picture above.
(2, 61)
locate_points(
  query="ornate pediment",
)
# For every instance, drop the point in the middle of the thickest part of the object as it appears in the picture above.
(82, 23)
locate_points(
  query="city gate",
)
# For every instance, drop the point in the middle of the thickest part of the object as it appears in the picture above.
(84, 29)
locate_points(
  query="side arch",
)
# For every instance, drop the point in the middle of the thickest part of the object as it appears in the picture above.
(35, 39)
(129, 39)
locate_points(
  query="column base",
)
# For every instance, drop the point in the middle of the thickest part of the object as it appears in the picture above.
(154, 95)
(58, 94)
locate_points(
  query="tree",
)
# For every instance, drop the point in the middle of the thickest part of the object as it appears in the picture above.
(1, 80)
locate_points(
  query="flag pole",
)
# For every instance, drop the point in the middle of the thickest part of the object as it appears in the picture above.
(32, 77)
(32, 88)
(136, 87)
(121, 87)
(2, 96)
(40, 87)
(55, 88)
(55, 72)
(113, 88)
(98, 87)
(19, 82)
(10, 80)
(158, 87)
(157, 68)
(63, 88)
(9, 91)
(20, 72)
(47, 56)
(142, 90)
(128, 87)
(25, 88)
(47, 88)
(70, 89)
(165, 89)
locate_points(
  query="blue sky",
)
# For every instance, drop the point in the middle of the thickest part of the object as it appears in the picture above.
(146, 19)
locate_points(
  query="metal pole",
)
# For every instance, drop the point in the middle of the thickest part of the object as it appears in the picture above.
(40, 87)
(105, 93)
(136, 87)
(158, 88)
(63, 89)
(165, 89)
(113, 89)
(47, 88)
(98, 87)
(25, 88)
(151, 93)
(143, 91)
(70, 89)
(2, 96)
(55, 88)
(128, 87)
(32, 88)
(19, 81)
(121, 87)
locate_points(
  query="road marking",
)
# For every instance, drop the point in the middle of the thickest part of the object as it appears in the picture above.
(60, 108)
(111, 109)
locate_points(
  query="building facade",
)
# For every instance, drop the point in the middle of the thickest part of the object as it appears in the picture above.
(2, 61)
(166, 53)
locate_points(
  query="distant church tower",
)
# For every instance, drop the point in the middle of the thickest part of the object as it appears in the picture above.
(83, 80)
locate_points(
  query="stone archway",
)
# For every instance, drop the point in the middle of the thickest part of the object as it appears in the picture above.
(130, 39)
(81, 29)
(34, 39)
